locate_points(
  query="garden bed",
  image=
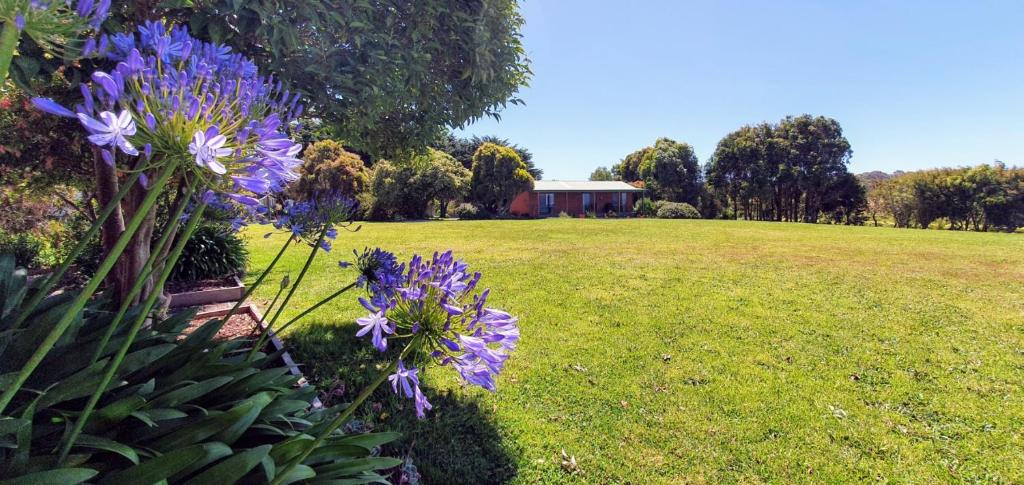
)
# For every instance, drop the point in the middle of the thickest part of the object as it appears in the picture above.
(242, 325)
(206, 292)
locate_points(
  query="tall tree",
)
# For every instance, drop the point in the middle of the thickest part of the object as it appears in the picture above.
(499, 175)
(464, 148)
(672, 171)
(628, 169)
(602, 174)
(782, 171)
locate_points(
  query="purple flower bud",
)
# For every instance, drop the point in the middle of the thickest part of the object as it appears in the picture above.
(19, 22)
(50, 106)
(107, 157)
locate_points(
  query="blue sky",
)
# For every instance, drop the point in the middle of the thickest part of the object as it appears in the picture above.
(914, 84)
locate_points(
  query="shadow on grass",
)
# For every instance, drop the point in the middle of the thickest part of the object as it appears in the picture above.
(458, 441)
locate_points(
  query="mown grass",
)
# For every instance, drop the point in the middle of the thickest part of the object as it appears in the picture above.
(706, 351)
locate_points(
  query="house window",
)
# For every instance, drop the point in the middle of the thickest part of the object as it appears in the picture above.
(588, 202)
(623, 204)
(547, 203)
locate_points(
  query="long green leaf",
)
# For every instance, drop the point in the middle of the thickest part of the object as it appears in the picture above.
(60, 476)
(190, 392)
(356, 466)
(157, 469)
(232, 469)
(101, 443)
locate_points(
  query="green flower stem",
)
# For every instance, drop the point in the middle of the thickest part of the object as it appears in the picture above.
(90, 288)
(258, 282)
(266, 331)
(338, 421)
(8, 42)
(263, 317)
(291, 291)
(83, 243)
(147, 270)
(133, 331)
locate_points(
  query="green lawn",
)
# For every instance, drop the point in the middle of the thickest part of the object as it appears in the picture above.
(669, 351)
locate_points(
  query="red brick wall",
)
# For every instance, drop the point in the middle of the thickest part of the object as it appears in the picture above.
(528, 203)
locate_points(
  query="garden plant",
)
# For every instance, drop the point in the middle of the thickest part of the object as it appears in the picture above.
(98, 384)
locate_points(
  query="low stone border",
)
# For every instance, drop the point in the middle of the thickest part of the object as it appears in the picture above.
(208, 296)
(274, 342)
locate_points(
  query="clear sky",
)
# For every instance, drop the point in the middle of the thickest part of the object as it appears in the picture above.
(915, 84)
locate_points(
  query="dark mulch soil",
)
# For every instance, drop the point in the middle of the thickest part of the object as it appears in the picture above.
(188, 286)
(240, 325)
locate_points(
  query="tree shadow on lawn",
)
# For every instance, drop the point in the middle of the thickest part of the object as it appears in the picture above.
(458, 442)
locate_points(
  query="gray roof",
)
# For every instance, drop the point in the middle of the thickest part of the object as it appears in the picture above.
(583, 186)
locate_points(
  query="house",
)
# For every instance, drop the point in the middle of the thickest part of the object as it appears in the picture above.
(576, 198)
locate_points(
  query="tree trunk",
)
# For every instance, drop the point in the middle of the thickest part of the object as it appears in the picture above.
(129, 266)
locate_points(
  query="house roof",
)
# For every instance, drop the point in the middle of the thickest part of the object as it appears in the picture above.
(583, 186)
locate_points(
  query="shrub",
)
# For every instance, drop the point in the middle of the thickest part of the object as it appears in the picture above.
(24, 246)
(327, 166)
(677, 210)
(644, 207)
(564, 215)
(591, 215)
(466, 211)
(181, 408)
(212, 252)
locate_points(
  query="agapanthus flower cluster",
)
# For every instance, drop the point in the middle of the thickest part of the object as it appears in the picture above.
(55, 24)
(438, 308)
(322, 214)
(379, 273)
(193, 103)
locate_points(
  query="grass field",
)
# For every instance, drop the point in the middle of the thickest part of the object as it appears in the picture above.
(704, 351)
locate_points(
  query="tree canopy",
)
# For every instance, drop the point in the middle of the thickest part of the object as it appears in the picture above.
(789, 170)
(464, 148)
(602, 173)
(498, 176)
(672, 171)
(386, 76)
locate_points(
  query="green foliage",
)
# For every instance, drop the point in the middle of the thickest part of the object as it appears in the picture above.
(388, 76)
(407, 189)
(462, 149)
(25, 247)
(212, 252)
(467, 211)
(564, 215)
(178, 409)
(644, 207)
(793, 170)
(677, 210)
(326, 166)
(601, 173)
(981, 198)
(628, 169)
(499, 175)
(671, 170)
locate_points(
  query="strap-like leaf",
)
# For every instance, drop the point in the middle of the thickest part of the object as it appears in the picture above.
(355, 467)
(101, 443)
(157, 469)
(59, 476)
(232, 469)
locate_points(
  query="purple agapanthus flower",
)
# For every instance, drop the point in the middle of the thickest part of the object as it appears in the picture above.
(435, 303)
(406, 383)
(168, 86)
(321, 214)
(208, 146)
(110, 130)
(378, 324)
